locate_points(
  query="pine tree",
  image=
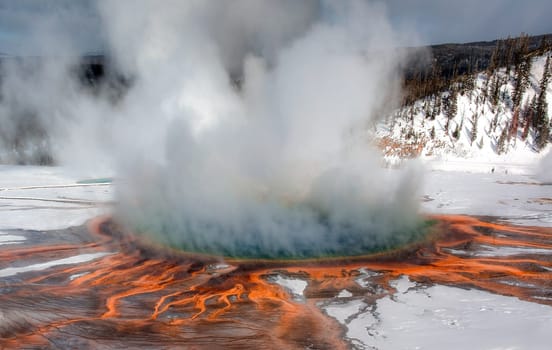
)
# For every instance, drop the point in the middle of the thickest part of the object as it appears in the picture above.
(469, 84)
(514, 125)
(438, 104)
(495, 90)
(426, 108)
(518, 85)
(540, 120)
(522, 71)
(526, 70)
(501, 145)
(493, 63)
(473, 134)
(543, 135)
(494, 122)
(456, 132)
(431, 108)
(452, 105)
(528, 112)
(411, 115)
(510, 45)
(544, 46)
(485, 90)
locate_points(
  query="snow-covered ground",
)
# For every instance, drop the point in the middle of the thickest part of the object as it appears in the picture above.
(10, 271)
(294, 286)
(440, 317)
(512, 193)
(47, 198)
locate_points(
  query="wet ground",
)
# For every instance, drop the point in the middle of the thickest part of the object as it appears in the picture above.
(96, 286)
(66, 282)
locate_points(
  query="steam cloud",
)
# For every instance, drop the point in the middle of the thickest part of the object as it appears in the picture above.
(544, 168)
(246, 128)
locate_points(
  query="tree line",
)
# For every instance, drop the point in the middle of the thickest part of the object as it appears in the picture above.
(510, 61)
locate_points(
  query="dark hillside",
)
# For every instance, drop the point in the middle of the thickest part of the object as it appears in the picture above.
(431, 72)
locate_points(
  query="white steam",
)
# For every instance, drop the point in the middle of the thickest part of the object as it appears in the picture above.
(244, 130)
(544, 171)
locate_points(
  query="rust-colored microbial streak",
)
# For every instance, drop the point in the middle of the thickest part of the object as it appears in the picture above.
(141, 295)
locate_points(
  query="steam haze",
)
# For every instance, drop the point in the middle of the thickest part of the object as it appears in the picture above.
(246, 127)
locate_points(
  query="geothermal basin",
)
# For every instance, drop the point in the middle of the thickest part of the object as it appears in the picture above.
(98, 285)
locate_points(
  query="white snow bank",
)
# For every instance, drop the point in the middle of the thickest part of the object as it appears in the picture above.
(47, 198)
(441, 317)
(294, 285)
(10, 271)
(521, 199)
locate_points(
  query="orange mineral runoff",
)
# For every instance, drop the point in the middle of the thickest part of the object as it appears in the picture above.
(140, 294)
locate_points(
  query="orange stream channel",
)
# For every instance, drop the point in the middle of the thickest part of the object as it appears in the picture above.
(142, 295)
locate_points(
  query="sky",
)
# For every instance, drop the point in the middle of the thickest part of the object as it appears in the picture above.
(73, 21)
(434, 21)
(438, 21)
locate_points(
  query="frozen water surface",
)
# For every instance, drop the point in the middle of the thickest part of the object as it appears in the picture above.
(441, 317)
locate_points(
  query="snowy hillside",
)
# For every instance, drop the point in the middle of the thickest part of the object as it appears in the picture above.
(476, 119)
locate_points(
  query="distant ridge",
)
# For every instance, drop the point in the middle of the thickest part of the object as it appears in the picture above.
(488, 116)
